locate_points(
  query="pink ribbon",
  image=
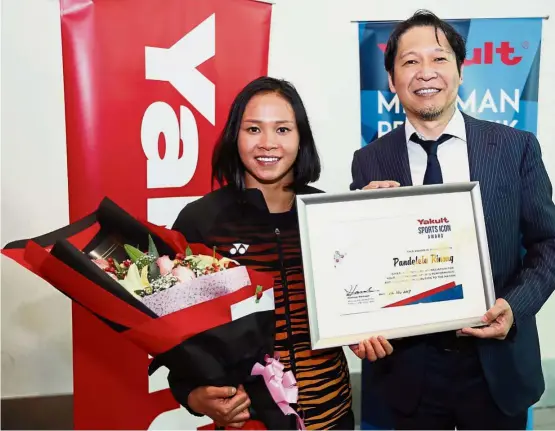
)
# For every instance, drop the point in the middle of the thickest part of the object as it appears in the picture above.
(282, 386)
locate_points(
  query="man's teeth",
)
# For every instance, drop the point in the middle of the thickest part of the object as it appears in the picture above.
(427, 91)
(267, 159)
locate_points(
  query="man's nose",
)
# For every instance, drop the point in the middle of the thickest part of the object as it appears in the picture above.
(427, 72)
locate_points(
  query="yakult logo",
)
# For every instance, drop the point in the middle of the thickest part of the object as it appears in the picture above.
(434, 228)
(433, 220)
(177, 65)
(487, 54)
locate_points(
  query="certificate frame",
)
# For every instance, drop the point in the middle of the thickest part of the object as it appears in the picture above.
(305, 202)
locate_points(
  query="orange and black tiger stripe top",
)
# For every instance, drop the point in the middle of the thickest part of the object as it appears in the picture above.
(240, 226)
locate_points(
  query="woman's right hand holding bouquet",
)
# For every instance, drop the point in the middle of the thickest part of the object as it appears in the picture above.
(226, 406)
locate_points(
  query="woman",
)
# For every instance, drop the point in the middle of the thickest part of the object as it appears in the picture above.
(264, 158)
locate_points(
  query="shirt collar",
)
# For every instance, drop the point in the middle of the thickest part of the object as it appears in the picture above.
(254, 196)
(455, 127)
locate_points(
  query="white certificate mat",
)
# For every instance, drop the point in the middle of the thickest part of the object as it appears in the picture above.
(394, 262)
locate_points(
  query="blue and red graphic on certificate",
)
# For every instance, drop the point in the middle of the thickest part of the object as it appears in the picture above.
(447, 292)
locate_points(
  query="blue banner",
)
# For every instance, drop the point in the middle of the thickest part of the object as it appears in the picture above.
(501, 74)
(500, 83)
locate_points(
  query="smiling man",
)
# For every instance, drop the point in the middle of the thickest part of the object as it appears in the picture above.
(488, 378)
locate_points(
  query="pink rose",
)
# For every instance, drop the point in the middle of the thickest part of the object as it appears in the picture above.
(165, 264)
(102, 263)
(183, 274)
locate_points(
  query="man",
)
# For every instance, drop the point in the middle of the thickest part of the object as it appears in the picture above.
(476, 378)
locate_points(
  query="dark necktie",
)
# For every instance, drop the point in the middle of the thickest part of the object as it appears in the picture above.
(433, 169)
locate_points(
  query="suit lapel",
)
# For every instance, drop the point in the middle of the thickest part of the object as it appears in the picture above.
(483, 156)
(394, 160)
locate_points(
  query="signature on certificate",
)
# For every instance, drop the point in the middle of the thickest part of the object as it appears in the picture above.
(355, 290)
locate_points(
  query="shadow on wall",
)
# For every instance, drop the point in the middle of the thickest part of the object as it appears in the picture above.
(548, 398)
(40, 413)
(56, 412)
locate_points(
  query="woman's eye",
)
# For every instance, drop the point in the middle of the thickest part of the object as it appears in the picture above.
(283, 130)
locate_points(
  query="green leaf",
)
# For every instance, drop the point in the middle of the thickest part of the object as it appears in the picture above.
(152, 247)
(133, 252)
(188, 251)
(153, 271)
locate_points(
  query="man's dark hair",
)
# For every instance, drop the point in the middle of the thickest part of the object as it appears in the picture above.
(226, 163)
(424, 18)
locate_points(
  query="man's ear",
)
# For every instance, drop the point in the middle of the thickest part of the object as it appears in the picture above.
(391, 84)
(462, 73)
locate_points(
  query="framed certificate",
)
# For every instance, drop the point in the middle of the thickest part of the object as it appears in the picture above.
(395, 262)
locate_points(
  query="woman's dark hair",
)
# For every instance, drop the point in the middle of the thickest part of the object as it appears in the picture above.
(226, 163)
(424, 18)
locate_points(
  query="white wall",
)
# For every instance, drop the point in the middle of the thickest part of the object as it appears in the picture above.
(36, 329)
(313, 44)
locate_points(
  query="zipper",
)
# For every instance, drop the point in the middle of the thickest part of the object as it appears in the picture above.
(286, 305)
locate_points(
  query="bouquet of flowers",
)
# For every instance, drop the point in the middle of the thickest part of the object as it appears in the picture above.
(209, 320)
(167, 285)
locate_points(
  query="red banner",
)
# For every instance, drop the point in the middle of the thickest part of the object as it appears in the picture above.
(148, 85)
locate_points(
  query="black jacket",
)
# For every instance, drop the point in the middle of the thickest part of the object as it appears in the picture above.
(240, 226)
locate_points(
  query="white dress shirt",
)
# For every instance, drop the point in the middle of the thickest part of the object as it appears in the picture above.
(452, 154)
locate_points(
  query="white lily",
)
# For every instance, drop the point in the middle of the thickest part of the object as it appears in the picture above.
(133, 280)
(144, 277)
(204, 261)
(201, 260)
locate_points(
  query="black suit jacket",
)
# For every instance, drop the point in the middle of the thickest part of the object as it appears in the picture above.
(519, 211)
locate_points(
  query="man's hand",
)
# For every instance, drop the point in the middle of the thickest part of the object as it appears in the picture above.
(500, 320)
(372, 349)
(226, 406)
(381, 185)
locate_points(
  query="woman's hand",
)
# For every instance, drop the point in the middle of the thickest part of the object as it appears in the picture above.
(226, 406)
(373, 349)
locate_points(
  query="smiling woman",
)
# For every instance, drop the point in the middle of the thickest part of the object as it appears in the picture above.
(264, 158)
(268, 140)
(267, 143)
